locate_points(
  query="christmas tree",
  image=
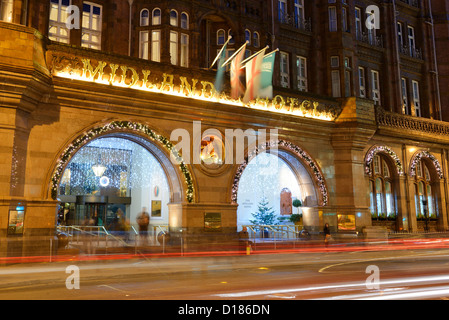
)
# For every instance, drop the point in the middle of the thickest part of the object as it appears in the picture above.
(265, 214)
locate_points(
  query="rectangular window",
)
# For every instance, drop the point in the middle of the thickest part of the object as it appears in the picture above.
(405, 108)
(416, 99)
(91, 33)
(375, 87)
(400, 34)
(347, 83)
(358, 23)
(144, 44)
(362, 83)
(57, 30)
(332, 19)
(6, 9)
(336, 92)
(301, 71)
(173, 47)
(282, 11)
(156, 45)
(344, 19)
(284, 70)
(299, 13)
(411, 40)
(184, 50)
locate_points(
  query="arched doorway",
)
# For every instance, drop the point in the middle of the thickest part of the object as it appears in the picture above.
(271, 168)
(121, 145)
(113, 178)
(263, 181)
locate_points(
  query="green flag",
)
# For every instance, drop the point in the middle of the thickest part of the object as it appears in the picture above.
(266, 79)
(220, 70)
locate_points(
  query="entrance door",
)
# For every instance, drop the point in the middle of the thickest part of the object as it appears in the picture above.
(91, 214)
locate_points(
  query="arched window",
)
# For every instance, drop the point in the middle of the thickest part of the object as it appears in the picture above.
(221, 35)
(424, 193)
(184, 21)
(144, 18)
(231, 34)
(256, 42)
(382, 196)
(248, 36)
(173, 18)
(156, 17)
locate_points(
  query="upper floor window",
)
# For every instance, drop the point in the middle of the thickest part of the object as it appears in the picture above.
(184, 21)
(256, 42)
(416, 99)
(299, 12)
(173, 18)
(91, 33)
(156, 17)
(332, 19)
(411, 40)
(144, 40)
(400, 34)
(6, 8)
(375, 87)
(144, 18)
(221, 37)
(358, 23)
(344, 19)
(231, 36)
(282, 10)
(248, 36)
(362, 82)
(301, 73)
(284, 70)
(405, 107)
(57, 30)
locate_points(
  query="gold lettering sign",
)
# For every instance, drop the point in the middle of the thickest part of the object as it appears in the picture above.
(125, 76)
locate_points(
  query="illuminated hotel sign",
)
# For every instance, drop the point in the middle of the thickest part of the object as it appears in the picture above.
(85, 69)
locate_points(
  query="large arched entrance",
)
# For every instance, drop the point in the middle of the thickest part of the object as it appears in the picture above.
(116, 170)
(113, 178)
(278, 173)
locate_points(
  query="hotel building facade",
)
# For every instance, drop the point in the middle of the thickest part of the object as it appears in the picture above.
(91, 113)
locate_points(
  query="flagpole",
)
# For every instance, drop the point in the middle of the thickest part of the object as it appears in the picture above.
(219, 54)
(247, 59)
(235, 53)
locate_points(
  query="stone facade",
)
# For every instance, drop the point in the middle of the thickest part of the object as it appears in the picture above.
(51, 95)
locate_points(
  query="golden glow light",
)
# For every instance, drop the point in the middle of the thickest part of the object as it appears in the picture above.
(127, 77)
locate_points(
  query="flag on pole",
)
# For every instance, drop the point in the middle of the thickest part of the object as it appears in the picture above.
(266, 77)
(221, 57)
(253, 75)
(237, 86)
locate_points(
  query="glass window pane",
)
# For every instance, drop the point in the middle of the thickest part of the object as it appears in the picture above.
(173, 18)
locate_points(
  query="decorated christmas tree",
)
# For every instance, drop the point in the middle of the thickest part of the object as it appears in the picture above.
(265, 215)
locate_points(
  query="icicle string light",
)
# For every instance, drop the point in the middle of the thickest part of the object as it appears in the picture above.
(114, 126)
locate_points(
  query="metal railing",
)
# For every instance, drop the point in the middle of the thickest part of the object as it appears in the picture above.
(261, 233)
(103, 238)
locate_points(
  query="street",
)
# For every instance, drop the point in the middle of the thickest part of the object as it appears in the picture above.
(335, 275)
